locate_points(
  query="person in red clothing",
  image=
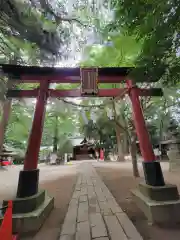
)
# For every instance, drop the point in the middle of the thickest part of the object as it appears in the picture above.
(101, 157)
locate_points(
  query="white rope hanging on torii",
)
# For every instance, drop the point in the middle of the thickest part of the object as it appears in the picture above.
(102, 105)
(84, 117)
(93, 116)
(110, 113)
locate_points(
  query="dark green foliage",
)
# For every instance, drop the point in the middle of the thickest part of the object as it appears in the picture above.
(174, 128)
(157, 23)
(25, 22)
(103, 131)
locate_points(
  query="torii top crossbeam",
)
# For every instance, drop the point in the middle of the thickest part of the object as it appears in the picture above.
(31, 74)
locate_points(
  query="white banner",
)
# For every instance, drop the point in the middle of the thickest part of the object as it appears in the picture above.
(93, 116)
(110, 114)
(83, 114)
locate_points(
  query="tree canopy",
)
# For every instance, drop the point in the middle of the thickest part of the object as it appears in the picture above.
(101, 33)
(157, 25)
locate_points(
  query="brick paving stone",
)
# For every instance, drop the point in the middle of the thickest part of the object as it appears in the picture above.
(100, 194)
(89, 182)
(101, 238)
(98, 227)
(83, 198)
(84, 180)
(105, 209)
(100, 184)
(69, 226)
(83, 191)
(73, 203)
(106, 213)
(107, 193)
(91, 192)
(76, 194)
(79, 180)
(115, 208)
(128, 227)
(67, 237)
(82, 212)
(72, 213)
(114, 228)
(92, 203)
(83, 231)
(83, 185)
(78, 187)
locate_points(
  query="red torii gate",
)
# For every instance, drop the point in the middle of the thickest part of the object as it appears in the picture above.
(29, 176)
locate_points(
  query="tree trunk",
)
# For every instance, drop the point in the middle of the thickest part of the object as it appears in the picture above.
(4, 120)
(55, 139)
(119, 146)
(133, 150)
(125, 143)
(118, 136)
(125, 135)
(6, 109)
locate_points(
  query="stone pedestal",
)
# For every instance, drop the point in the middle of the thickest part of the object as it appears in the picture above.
(30, 213)
(161, 205)
(174, 154)
(174, 160)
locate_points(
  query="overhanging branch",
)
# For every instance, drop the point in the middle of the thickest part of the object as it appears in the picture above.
(48, 9)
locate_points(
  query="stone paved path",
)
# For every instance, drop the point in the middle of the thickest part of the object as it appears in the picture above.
(93, 212)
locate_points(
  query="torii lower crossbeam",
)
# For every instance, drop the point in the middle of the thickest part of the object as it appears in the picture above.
(115, 92)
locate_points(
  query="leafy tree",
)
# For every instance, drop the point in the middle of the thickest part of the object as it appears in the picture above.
(119, 53)
(19, 125)
(144, 36)
(158, 27)
(24, 42)
(123, 51)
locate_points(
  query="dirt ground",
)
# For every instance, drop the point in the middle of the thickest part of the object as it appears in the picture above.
(120, 182)
(59, 181)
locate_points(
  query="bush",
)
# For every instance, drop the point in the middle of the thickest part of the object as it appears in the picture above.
(18, 160)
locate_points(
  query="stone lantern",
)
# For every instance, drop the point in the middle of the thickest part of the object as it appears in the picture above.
(174, 149)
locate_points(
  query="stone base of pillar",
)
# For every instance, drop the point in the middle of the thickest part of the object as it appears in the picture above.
(28, 183)
(161, 205)
(153, 173)
(30, 213)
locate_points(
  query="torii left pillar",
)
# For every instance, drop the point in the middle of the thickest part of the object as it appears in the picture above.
(29, 176)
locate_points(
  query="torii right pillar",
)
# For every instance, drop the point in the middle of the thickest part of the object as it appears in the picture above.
(160, 202)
